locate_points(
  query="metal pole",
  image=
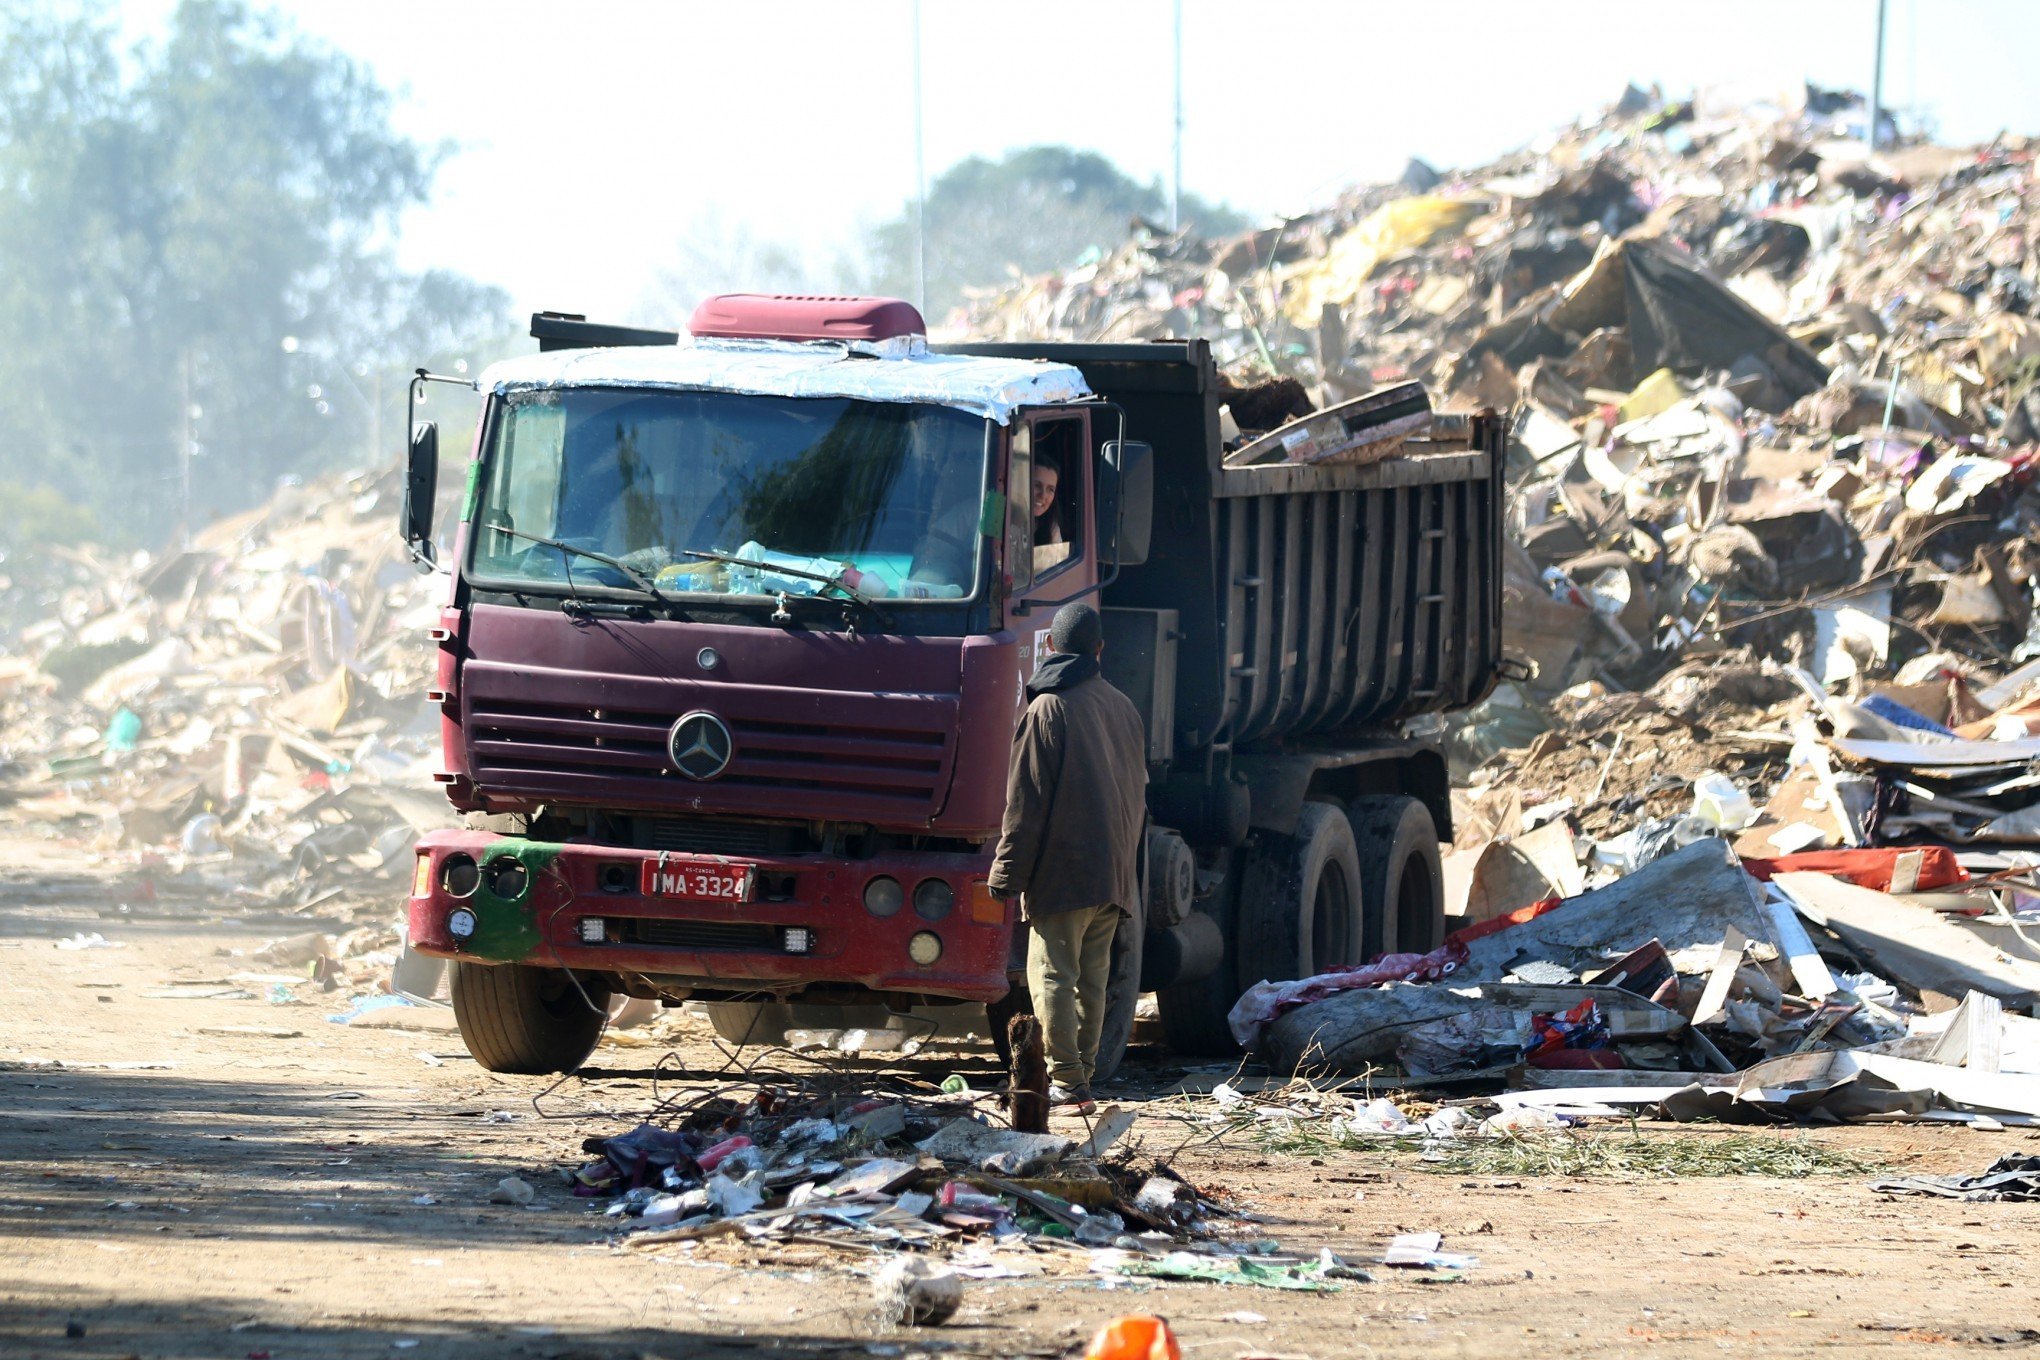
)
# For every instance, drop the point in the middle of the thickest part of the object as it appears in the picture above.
(184, 455)
(1176, 175)
(920, 178)
(1877, 80)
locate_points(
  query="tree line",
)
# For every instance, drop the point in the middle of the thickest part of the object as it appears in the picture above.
(196, 263)
(195, 256)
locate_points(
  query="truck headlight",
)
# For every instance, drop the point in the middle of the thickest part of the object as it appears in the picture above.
(883, 896)
(507, 877)
(925, 948)
(460, 875)
(933, 897)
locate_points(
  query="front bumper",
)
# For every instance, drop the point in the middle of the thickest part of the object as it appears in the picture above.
(731, 947)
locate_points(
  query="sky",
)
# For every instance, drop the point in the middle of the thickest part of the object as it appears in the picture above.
(592, 139)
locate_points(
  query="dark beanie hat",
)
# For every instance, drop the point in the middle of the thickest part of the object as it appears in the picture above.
(1077, 628)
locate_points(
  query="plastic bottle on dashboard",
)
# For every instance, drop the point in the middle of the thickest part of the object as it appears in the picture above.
(867, 583)
(929, 590)
(774, 572)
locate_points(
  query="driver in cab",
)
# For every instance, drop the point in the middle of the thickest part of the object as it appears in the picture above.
(1050, 546)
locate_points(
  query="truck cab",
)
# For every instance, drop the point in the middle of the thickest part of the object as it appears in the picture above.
(733, 661)
(735, 645)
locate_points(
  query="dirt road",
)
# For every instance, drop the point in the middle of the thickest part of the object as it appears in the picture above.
(234, 1176)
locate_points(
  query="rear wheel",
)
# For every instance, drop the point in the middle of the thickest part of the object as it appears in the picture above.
(515, 1018)
(1401, 878)
(1311, 917)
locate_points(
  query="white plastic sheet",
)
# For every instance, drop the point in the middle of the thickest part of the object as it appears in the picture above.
(899, 371)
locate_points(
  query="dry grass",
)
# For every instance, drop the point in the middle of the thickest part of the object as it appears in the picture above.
(1630, 1153)
(1606, 1152)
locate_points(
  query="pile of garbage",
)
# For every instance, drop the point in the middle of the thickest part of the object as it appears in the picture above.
(1770, 577)
(1862, 984)
(1774, 413)
(243, 719)
(934, 1183)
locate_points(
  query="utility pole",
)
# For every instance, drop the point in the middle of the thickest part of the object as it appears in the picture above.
(1176, 175)
(1877, 80)
(920, 178)
(184, 454)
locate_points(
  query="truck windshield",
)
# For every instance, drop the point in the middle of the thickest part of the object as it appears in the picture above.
(882, 498)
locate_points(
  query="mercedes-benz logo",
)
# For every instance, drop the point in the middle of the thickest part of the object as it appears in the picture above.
(700, 745)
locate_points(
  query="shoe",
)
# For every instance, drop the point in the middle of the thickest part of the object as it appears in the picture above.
(1077, 1098)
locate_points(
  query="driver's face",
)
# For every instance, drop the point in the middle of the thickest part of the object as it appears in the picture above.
(1045, 479)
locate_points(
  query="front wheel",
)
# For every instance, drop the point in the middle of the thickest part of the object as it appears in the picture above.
(515, 1018)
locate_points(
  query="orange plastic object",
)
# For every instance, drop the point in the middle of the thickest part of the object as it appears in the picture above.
(1135, 1337)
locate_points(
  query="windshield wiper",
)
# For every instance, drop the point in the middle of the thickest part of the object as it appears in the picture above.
(834, 583)
(638, 578)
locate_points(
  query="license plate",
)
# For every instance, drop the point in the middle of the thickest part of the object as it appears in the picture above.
(696, 880)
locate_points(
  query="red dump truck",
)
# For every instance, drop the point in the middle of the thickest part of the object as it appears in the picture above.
(733, 656)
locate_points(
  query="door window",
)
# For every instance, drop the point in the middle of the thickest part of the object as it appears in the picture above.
(1056, 484)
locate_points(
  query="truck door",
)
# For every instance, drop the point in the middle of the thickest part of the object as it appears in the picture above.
(1051, 554)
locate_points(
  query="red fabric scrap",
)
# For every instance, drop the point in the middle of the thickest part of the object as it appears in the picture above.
(1867, 868)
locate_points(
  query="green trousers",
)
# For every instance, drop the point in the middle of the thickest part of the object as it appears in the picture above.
(1069, 960)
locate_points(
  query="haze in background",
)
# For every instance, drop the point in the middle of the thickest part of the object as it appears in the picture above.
(229, 230)
(598, 140)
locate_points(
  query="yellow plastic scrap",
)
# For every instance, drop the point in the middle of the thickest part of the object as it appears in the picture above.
(1658, 393)
(1392, 229)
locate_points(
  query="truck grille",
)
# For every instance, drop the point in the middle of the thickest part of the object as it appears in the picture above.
(864, 772)
(757, 840)
(702, 934)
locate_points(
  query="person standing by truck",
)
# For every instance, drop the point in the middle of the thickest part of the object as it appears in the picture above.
(1076, 799)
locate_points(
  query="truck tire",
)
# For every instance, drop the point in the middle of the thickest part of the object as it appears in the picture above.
(747, 1023)
(1307, 915)
(1122, 999)
(1401, 878)
(515, 1018)
(1194, 1011)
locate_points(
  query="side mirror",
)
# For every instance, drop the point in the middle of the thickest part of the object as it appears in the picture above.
(421, 485)
(1126, 502)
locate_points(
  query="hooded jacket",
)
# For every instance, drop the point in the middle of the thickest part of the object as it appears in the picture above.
(1076, 795)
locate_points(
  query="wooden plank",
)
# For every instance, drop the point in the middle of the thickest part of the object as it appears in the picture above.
(1809, 969)
(1537, 1078)
(1975, 1035)
(1722, 978)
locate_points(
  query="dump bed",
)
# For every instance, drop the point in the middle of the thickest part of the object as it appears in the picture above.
(1313, 603)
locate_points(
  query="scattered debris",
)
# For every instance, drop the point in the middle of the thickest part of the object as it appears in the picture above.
(2007, 1178)
(910, 1291)
(512, 1190)
(241, 723)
